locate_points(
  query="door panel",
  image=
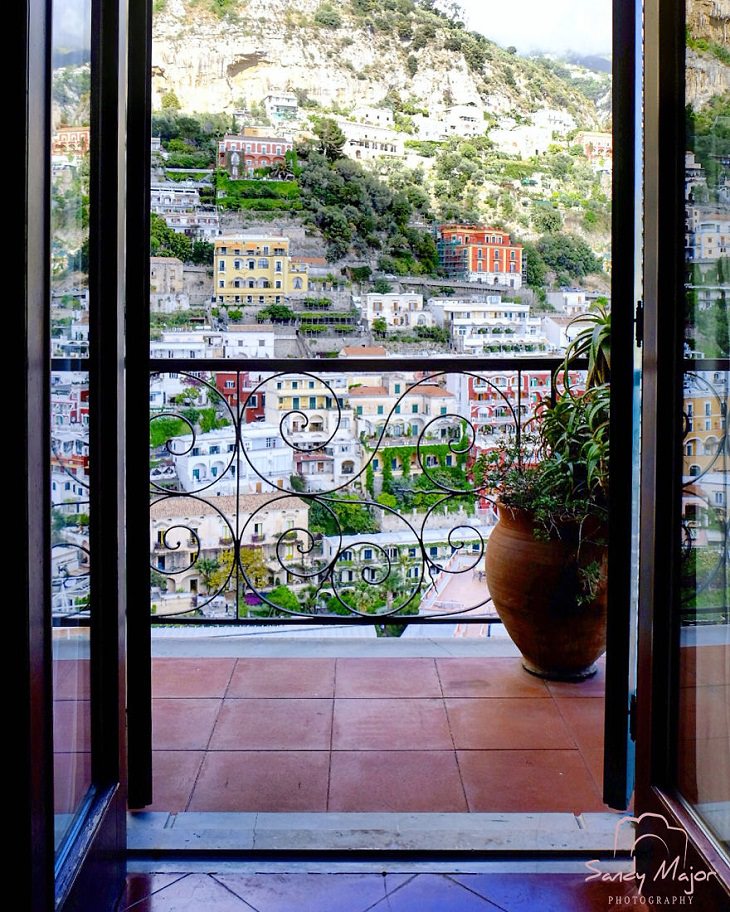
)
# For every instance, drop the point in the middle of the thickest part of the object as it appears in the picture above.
(682, 731)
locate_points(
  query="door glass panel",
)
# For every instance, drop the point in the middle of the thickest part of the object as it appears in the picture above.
(69, 457)
(703, 761)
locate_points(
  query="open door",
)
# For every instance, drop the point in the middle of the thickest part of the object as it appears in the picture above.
(683, 733)
(74, 638)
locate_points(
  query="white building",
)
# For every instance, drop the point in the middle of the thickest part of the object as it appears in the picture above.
(569, 301)
(360, 559)
(204, 343)
(560, 330)
(397, 405)
(366, 142)
(178, 202)
(463, 120)
(488, 324)
(399, 310)
(248, 340)
(559, 122)
(318, 423)
(184, 529)
(525, 141)
(381, 117)
(281, 106)
(211, 460)
(167, 285)
(709, 233)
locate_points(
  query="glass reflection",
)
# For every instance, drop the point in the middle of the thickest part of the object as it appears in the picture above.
(69, 457)
(703, 761)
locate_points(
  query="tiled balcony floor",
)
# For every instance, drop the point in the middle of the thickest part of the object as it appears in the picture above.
(394, 892)
(373, 735)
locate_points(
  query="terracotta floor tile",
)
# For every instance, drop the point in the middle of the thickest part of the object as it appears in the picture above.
(262, 781)
(192, 893)
(387, 678)
(390, 725)
(592, 687)
(71, 679)
(71, 780)
(532, 780)
(546, 892)
(395, 781)
(593, 759)
(312, 892)
(191, 677)
(141, 886)
(183, 724)
(273, 725)
(72, 726)
(283, 678)
(585, 720)
(173, 778)
(433, 893)
(493, 677)
(496, 723)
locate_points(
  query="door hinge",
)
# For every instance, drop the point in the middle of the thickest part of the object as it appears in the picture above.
(639, 324)
(632, 717)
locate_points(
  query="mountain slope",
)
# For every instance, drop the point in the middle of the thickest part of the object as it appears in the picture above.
(217, 55)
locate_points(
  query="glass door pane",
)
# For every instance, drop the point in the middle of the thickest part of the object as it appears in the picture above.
(703, 759)
(69, 457)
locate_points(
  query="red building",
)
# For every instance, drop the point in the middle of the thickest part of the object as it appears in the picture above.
(478, 254)
(240, 388)
(241, 155)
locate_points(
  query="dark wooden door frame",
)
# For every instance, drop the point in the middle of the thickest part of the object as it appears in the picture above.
(90, 874)
(664, 266)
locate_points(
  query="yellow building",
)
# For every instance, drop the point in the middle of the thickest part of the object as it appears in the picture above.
(256, 270)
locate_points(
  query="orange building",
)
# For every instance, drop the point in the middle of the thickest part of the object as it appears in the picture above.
(479, 254)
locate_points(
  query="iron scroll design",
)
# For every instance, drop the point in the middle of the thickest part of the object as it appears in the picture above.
(242, 529)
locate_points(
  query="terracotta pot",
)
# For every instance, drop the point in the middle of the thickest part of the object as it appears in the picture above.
(535, 586)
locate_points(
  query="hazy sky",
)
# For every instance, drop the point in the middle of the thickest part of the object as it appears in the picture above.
(558, 25)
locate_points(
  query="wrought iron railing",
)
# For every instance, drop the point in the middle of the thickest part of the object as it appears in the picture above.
(384, 531)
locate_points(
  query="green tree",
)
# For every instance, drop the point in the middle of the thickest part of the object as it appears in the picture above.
(351, 517)
(254, 566)
(164, 429)
(370, 480)
(546, 220)
(568, 255)
(382, 286)
(330, 138)
(276, 313)
(328, 17)
(380, 326)
(297, 484)
(170, 101)
(208, 568)
(535, 266)
(387, 486)
(283, 597)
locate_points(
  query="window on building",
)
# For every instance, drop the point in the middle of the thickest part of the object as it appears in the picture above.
(221, 283)
(414, 408)
(397, 410)
(380, 410)
(396, 388)
(367, 553)
(271, 442)
(443, 410)
(358, 410)
(295, 402)
(236, 264)
(313, 402)
(221, 265)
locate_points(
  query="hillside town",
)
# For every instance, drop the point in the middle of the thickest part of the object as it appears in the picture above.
(283, 234)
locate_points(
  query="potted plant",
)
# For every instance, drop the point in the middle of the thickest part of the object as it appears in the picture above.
(546, 558)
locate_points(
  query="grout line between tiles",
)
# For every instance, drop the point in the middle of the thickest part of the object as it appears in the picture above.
(451, 735)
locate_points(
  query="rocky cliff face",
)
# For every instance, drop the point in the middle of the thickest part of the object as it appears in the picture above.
(219, 62)
(708, 74)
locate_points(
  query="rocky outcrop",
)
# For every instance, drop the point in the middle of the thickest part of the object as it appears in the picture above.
(707, 74)
(222, 64)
